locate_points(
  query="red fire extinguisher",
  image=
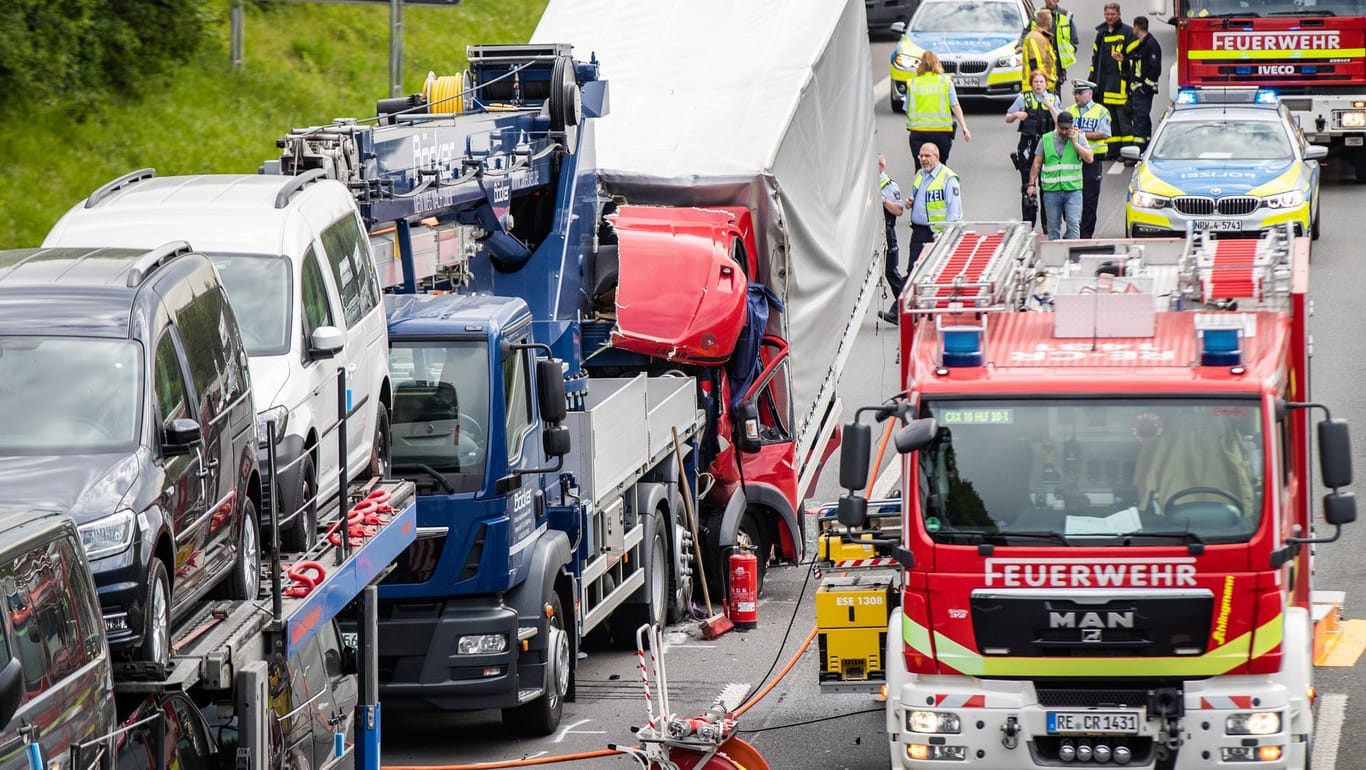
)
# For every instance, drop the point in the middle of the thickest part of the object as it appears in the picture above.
(744, 588)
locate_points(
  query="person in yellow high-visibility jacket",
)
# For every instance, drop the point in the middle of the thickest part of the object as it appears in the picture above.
(932, 108)
(1038, 51)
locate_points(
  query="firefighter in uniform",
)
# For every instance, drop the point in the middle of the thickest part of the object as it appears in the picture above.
(931, 108)
(1109, 71)
(1092, 120)
(936, 198)
(892, 207)
(1145, 67)
(1038, 52)
(1064, 31)
(1035, 110)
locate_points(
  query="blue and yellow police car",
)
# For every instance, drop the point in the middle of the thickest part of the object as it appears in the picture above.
(974, 40)
(1227, 159)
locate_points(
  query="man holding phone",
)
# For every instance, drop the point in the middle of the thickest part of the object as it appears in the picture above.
(1057, 164)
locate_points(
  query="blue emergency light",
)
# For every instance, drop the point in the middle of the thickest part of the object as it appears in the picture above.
(1221, 347)
(1185, 96)
(962, 345)
(1228, 95)
(1265, 96)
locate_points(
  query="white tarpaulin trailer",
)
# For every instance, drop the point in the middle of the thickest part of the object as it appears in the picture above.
(766, 104)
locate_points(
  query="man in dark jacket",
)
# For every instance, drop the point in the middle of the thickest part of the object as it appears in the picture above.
(1109, 71)
(1145, 68)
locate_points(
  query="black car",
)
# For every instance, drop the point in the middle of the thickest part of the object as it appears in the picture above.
(882, 14)
(126, 403)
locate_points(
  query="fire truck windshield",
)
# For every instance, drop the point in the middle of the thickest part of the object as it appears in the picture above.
(1196, 9)
(1061, 473)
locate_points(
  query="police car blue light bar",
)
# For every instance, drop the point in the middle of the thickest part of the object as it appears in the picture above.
(1227, 95)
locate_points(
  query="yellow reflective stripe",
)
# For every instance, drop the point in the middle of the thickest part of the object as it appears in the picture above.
(1004, 75)
(917, 637)
(1300, 215)
(1218, 661)
(1148, 182)
(1268, 635)
(1283, 183)
(1336, 53)
(1137, 216)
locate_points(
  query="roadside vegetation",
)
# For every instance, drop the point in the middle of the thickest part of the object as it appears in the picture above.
(172, 100)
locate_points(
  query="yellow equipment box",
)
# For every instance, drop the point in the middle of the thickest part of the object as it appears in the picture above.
(852, 609)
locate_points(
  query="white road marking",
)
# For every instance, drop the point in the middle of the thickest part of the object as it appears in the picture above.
(1328, 731)
(883, 89)
(570, 729)
(1117, 167)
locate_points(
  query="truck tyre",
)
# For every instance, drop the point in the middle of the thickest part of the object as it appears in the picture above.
(244, 582)
(381, 460)
(302, 533)
(629, 617)
(156, 617)
(542, 716)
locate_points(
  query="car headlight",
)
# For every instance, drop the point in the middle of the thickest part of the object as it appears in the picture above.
(479, 644)
(1255, 723)
(110, 535)
(905, 61)
(1012, 60)
(932, 722)
(279, 416)
(1286, 200)
(1146, 200)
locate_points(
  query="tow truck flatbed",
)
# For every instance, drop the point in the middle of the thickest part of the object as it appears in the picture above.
(220, 637)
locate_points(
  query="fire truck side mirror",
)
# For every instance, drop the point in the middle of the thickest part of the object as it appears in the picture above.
(1335, 453)
(854, 456)
(917, 434)
(1339, 508)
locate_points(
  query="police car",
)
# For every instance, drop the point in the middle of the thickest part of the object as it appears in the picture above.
(974, 40)
(1227, 159)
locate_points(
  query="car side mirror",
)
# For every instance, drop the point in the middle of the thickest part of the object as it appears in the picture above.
(748, 416)
(11, 690)
(180, 437)
(325, 342)
(1130, 153)
(1316, 152)
(898, 27)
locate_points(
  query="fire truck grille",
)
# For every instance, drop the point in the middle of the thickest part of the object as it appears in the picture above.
(1238, 205)
(1047, 627)
(1194, 205)
(1075, 697)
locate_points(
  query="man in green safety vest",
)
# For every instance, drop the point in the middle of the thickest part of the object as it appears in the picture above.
(936, 198)
(1057, 169)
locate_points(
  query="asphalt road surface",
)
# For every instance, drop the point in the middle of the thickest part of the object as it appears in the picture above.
(795, 726)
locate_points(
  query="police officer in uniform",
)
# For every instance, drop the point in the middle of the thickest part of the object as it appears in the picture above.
(1035, 110)
(892, 207)
(1145, 67)
(932, 109)
(1092, 120)
(935, 198)
(1110, 73)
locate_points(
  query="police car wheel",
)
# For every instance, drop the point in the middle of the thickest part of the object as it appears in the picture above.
(1314, 226)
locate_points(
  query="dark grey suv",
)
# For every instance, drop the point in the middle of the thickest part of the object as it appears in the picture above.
(126, 403)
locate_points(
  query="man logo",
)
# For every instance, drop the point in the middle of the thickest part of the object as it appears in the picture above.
(1091, 620)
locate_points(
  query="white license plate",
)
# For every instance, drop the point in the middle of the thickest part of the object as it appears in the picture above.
(1352, 141)
(1093, 722)
(1218, 224)
(963, 82)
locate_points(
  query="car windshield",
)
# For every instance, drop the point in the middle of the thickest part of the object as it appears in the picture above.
(989, 18)
(69, 394)
(441, 408)
(1204, 8)
(1093, 472)
(259, 289)
(1222, 140)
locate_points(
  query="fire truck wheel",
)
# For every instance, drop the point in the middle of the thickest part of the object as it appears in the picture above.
(156, 617)
(542, 716)
(629, 617)
(303, 531)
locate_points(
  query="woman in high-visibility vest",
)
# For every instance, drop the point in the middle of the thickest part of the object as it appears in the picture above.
(932, 107)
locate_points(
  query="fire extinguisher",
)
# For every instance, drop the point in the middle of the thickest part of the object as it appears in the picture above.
(744, 588)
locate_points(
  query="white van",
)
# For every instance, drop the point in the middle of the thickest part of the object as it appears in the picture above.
(300, 276)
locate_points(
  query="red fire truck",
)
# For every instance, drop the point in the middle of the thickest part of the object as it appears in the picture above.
(1312, 53)
(1106, 504)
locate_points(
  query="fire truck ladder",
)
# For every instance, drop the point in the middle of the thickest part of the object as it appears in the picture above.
(1217, 272)
(973, 267)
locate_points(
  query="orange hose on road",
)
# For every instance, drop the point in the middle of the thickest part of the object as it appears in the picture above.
(512, 762)
(797, 656)
(877, 464)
